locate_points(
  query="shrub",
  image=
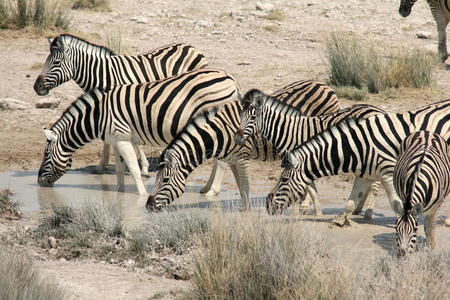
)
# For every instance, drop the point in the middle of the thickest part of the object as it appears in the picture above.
(21, 280)
(8, 206)
(39, 13)
(353, 62)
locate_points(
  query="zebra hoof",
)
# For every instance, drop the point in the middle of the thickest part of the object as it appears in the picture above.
(204, 189)
(212, 192)
(368, 214)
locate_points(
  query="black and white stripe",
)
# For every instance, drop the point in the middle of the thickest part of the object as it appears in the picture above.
(92, 66)
(147, 113)
(286, 128)
(440, 9)
(367, 148)
(213, 136)
(422, 181)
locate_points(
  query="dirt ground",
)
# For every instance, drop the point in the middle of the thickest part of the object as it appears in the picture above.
(260, 50)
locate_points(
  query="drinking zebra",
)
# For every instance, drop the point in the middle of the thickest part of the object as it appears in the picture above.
(367, 148)
(440, 9)
(212, 135)
(92, 66)
(148, 113)
(286, 128)
(422, 181)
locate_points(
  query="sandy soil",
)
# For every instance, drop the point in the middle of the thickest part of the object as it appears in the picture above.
(234, 36)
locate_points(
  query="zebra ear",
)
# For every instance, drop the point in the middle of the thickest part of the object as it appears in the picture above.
(416, 209)
(259, 100)
(50, 135)
(290, 161)
(50, 41)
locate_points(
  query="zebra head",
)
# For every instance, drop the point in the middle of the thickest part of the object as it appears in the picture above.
(406, 230)
(405, 7)
(169, 183)
(290, 186)
(251, 124)
(58, 67)
(55, 162)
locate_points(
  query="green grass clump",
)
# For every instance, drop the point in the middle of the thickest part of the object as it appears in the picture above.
(21, 280)
(42, 14)
(353, 62)
(98, 5)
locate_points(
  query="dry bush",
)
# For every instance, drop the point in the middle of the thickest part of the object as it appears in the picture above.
(98, 5)
(9, 207)
(353, 62)
(21, 280)
(255, 257)
(113, 41)
(38, 13)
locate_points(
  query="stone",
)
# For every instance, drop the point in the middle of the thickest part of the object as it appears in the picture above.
(139, 19)
(52, 242)
(447, 222)
(49, 103)
(129, 263)
(13, 104)
(263, 6)
(423, 35)
(202, 23)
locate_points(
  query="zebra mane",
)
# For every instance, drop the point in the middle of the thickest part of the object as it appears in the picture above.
(72, 111)
(77, 41)
(197, 121)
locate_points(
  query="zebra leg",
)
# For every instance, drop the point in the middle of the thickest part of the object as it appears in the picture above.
(429, 226)
(213, 186)
(104, 160)
(126, 150)
(394, 200)
(240, 172)
(369, 199)
(312, 192)
(120, 171)
(441, 23)
(144, 162)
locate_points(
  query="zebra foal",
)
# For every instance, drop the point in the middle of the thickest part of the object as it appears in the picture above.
(93, 66)
(422, 181)
(147, 113)
(440, 9)
(368, 148)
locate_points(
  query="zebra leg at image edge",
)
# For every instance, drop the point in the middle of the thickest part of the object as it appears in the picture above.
(429, 225)
(104, 160)
(442, 23)
(212, 188)
(126, 150)
(240, 172)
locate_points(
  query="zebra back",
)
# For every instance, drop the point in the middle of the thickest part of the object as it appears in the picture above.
(422, 171)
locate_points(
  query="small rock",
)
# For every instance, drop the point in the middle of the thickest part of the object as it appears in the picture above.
(202, 23)
(27, 76)
(263, 6)
(447, 222)
(52, 242)
(139, 19)
(48, 103)
(423, 35)
(129, 263)
(62, 259)
(53, 252)
(13, 104)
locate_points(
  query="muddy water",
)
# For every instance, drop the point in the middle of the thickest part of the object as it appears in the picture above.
(376, 236)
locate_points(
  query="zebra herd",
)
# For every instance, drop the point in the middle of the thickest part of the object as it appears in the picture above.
(169, 98)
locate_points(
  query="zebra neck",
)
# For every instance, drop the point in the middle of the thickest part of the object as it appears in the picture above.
(79, 124)
(93, 69)
(286, 127)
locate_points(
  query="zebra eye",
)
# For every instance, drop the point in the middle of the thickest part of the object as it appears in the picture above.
(166, 180)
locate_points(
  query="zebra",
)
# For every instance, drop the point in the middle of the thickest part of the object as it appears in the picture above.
(212, 135)
(285, 127)
(367, 148)
(147, 113)
(422, 181)
(440, 9)
(93, 66)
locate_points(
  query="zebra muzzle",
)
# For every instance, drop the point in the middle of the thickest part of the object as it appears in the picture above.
(152, 205)
(239, 137)
(39, 86)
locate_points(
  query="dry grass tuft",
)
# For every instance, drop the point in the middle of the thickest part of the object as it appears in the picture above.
(353, 62)
(113, 40)
(21, 280)
(274, 15)
(9, 207)
(42, 14)
(350, 92)
(98, 5)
